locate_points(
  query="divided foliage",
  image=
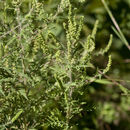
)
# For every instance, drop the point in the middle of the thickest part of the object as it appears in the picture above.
(43, 78)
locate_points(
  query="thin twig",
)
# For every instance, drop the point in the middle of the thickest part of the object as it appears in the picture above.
(19, 40)
(127, 60)
(17, 25)
(116, 83)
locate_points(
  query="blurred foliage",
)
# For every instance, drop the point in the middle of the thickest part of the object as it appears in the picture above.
(107, 108)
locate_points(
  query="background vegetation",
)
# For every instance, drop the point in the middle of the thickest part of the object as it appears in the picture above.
(36, 59)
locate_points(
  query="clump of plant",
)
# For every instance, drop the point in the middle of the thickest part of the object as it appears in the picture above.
(42, 78)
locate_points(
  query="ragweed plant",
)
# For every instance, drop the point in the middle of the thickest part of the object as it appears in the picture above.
(42, 78)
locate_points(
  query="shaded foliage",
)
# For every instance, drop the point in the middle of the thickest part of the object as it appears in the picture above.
(50, 65)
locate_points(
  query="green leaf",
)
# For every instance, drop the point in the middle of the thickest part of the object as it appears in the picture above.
(103, 81)
(123, 89)
(23, 93)
(17, 116)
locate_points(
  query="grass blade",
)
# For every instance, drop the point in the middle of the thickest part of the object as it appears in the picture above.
(120, 34)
